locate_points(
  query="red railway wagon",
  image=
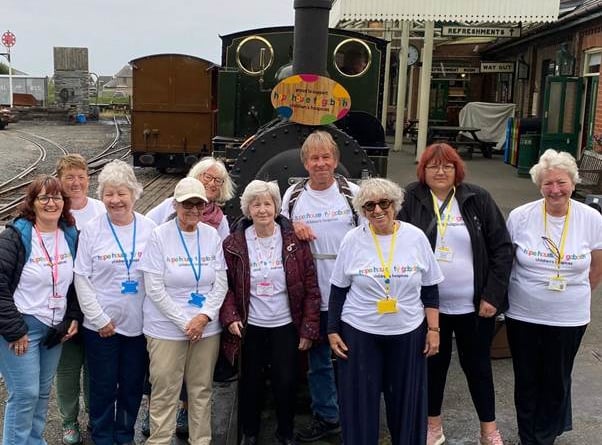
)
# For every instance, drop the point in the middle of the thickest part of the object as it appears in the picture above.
(174, 106)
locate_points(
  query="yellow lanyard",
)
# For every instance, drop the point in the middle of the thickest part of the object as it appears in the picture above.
(442, 224)
(550, 244)
(386, 267)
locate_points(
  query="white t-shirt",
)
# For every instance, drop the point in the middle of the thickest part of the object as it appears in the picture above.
(165, 255)
(92, 208)
(330, 217)
(269, 306)
(100, 259)
(34, 291)
(456, 292)
(163, 211)
(359, 266)
(529, 297)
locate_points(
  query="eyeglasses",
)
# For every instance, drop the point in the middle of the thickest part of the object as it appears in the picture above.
(45, 199)
(447, 168)
(384, 204)
(208, 178)
(189, 205)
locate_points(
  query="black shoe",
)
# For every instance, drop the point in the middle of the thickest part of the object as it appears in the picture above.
(316, 429)
(285, 440)
(248, 440)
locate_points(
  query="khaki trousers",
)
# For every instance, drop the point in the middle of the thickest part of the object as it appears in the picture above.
(172, 361)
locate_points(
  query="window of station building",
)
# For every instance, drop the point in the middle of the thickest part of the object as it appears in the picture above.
(592, 63)
(254, 55)
(352, 57)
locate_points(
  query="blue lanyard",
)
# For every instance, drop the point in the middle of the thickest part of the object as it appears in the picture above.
(197, 275)
(128, 264)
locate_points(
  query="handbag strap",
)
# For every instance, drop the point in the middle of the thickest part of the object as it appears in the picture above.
(431, 226)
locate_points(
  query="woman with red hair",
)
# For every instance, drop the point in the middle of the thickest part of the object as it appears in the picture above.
(468, 235)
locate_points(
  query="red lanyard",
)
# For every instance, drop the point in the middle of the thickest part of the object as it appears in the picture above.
(54, 265)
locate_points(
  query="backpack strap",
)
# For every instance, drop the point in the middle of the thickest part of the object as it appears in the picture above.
(345, 190)
(299, 187)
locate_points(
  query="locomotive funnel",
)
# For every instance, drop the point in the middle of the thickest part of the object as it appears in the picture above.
(310, 45)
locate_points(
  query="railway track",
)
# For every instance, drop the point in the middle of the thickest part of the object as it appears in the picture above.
(12, 190)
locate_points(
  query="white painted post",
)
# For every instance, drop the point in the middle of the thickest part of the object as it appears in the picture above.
(10, 79)
(401, 84)
(387, 79)
(425, 87)
(411, 91)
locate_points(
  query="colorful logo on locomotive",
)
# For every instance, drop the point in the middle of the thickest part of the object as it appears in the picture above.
(310, 99)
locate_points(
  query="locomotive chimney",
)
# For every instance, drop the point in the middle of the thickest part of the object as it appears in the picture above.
(310, 45)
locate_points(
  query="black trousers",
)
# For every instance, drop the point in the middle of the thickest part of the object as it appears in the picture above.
(269, 352)
(543, 358)
(390, 364)
(473, 340)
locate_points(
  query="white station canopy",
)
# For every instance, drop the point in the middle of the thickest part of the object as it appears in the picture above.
(490, 11)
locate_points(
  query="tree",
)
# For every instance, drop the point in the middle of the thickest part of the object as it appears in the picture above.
(3, 68)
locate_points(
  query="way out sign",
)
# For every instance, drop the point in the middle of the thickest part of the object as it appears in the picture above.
(310, 99)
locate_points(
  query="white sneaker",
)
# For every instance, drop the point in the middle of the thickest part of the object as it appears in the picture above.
(434, 435)
(493, 438)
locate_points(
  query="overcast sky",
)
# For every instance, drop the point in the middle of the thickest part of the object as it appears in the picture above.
(117, 31)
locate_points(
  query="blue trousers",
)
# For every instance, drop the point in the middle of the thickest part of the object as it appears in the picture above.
(390, 364)
(28, 379)
(117, 365)
(322, 386)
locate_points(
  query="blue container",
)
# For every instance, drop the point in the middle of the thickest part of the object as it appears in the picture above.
(80, 118)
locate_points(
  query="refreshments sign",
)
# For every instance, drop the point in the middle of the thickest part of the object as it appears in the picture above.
(310, 99)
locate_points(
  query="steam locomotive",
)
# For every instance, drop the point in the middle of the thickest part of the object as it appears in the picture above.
(185, 107)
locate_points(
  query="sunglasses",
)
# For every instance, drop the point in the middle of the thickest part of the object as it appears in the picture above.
(384, 204)
(189, 205)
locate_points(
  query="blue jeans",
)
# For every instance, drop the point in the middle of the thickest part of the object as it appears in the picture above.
(322, 386)
(28, 380)
(117, 365)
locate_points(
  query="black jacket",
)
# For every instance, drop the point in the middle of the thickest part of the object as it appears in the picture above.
(13, 255)
(491, 245)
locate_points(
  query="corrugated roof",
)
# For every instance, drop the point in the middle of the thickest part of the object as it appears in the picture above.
(446, 10)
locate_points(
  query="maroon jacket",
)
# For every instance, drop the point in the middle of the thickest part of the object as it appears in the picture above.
(301, 284)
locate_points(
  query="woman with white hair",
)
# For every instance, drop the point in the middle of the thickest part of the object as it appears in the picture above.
(110, 289)
(185, 279)
(219, 188)
(557, 266)
(383, 320)
(273, 302)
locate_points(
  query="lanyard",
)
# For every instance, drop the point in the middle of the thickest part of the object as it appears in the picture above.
(128, 264)
(54, 265)
(386, 267)
(264, 263)
(197, 274)
(442, 224)
(558, 252)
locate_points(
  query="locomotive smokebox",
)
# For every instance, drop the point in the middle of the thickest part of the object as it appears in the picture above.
(310, 45)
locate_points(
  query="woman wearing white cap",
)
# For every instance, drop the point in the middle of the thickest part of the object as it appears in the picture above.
(185, 278)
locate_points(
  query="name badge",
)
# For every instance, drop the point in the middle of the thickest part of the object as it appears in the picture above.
(386, 306)
(56, 301)
(557, 284)
(196, 299)
(129, 287)
(265, 289)
(444, 254)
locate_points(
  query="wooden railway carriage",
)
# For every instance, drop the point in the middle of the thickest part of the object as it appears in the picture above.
(173, 110)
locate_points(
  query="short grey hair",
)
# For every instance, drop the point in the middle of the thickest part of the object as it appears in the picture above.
(257, 188)
(552, 159)
(374, 189)
(226, 191)
(319, 139)
(118, 173)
